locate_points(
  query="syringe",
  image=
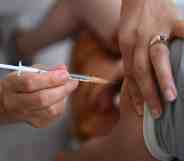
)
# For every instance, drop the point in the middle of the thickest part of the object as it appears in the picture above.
(83, 78)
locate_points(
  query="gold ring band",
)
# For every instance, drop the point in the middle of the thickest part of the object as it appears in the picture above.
(162, 38)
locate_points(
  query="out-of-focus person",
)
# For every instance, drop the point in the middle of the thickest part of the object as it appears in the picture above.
(94, 107)
(19, 15)
(103, 18)
(19, 141)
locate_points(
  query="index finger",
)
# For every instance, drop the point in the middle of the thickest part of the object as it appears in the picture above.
(159, 54)
(31, 82)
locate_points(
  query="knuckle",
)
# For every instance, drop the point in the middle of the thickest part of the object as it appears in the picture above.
(42, 99)
(139, 70)
(127, 37)
(28, 84)
(125, 40)
(143, 37)
(52, 112)
(140, 32)
(51, 80)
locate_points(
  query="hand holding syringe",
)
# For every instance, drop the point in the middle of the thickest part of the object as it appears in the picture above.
(83, 78)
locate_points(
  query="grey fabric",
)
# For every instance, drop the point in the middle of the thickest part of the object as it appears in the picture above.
(150, 138)
(20, 142)
(170, 128)
(12, 7)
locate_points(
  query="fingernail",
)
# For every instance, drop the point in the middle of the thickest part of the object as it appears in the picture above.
(170, 95)
(156, 113)
(139, 110)
(61, 74)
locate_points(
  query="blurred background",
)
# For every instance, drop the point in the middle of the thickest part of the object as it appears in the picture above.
(30, 141)
(58, 53)
(28, 18)
(180, 1)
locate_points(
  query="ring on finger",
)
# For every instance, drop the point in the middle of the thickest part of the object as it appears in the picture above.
(161, 38)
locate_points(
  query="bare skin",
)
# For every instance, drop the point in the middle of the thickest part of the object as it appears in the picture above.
(125, 143)
(137, 23)
(102, 112)
(34, 98)
(102, 17)
(137, 27)
(135, 19)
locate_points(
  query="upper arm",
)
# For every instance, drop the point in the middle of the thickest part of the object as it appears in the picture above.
(100, 16)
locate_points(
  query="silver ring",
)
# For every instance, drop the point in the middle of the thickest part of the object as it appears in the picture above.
(162, 38)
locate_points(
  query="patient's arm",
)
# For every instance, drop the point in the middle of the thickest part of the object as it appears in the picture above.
(125, 143)
(70, 16)
(61, 21)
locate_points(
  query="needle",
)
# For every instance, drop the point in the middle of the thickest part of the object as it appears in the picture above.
(83, 78)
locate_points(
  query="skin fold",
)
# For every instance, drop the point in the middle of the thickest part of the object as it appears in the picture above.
(122, 25)
(124, 143)
(89, 57)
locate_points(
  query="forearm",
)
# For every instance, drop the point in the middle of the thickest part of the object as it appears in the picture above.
(60, 23)
(101, 17)
(121, 141)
